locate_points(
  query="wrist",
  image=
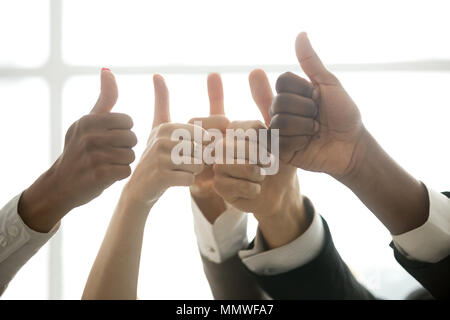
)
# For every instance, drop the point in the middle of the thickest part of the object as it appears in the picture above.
(210, 204)
(365, 149)
(285, 224)
(398, 200)
(42, 206)
(132, 201)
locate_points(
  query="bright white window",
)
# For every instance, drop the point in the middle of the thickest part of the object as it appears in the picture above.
(390, 55)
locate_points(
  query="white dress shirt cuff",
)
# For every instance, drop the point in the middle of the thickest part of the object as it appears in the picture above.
(223, 239)
(431, 241)
(288, 257)
(14, 233)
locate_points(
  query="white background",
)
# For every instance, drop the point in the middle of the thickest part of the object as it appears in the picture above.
(407, 111)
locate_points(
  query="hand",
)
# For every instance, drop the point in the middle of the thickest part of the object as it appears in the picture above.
(97, 152)
(211, 204)
(275, 200)
(320, 126)
(321, 130)
(156, 171)
(203, 185)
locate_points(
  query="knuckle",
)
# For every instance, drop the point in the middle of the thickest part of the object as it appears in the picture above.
(165, 128)
(132, 156)
(160, 144)
(278, 121)
(132, 138)
(127, 120)
(126, 171)
(282, 81)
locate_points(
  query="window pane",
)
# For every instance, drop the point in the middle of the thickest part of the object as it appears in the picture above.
(24, 32)
(251, 32)
(416, 102)
(24, 133)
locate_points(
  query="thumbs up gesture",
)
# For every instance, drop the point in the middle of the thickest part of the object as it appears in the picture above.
(98, 147)
(275, 200)
(97, 152)
(320, 126)
(157, 170)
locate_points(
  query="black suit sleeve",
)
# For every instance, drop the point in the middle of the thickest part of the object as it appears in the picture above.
(325, 277)
(435, 277)
(230, 280)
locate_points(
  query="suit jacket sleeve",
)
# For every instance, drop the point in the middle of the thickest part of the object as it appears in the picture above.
(435, 277)
(325, 277)
(230, 280)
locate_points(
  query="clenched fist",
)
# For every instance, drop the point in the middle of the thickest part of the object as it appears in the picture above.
(97, 152)
(320, 126)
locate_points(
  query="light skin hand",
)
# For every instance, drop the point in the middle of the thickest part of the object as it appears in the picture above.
(114, 274)
(156, 171)
(97, 152)
(202, 191)
(321, 130)
(274, 200)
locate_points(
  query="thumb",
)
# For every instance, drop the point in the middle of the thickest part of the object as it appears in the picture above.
(215, 94)
(261, 92)
(108, 92)
(162, 112)
(310, 62)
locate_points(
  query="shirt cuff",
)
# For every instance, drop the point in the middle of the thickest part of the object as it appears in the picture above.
(15, 234)
(431, 241)
(290, 256)
(223, 239)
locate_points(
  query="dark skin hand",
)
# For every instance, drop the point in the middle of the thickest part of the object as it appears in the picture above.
(97, 152)
(321, 130)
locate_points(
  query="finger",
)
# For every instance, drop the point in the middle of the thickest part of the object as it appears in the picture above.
(179, 151)
(112, 121)
(247, 124)
(311, 63)
(120, 156)
(191, 130)
(292, 83)
(219, 122)
(250, 172)
(261, 92)
(290, 125)
(215, 94)
(162, 112)
(232, 189)
(244, 126)
(241, 151)
(293, 104)
(117, 139)
(290, 145)
(108, 92)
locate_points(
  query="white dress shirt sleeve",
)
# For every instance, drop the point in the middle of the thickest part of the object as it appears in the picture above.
(288, 257)
(431, 241)
(228, 237)
(18, 243)
(223, 239)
